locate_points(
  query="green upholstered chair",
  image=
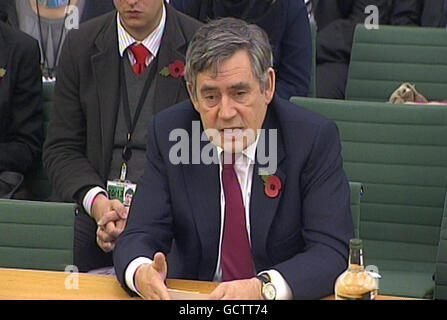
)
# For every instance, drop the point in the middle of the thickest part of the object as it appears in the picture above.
(36, 235)
(383, 59)
(441, 260)
(399, 153)
(313, 74)
(37, 182)
(356, 193)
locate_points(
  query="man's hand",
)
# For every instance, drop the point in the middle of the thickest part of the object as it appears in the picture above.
(249, 289)
(150, 279)
(111, 217)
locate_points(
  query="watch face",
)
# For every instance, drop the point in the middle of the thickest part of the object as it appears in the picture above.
(269, 291)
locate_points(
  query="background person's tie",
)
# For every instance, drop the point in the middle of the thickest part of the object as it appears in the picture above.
(140, 53)
(237, 260)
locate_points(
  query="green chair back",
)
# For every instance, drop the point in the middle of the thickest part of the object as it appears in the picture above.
(383, 59)
(36, 235)
(399, 153)
(37, 182)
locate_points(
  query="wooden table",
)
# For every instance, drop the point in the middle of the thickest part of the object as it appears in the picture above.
(20, 284)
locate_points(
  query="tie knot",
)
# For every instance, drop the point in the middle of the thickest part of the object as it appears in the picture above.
(140, 53)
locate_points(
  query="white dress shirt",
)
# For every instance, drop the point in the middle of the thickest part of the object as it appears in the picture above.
(244, 166)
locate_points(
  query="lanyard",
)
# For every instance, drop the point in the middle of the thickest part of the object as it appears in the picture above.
(51, 69)
(131, 123)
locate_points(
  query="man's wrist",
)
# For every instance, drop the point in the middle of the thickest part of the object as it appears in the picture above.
(90, 198)
(131, 270)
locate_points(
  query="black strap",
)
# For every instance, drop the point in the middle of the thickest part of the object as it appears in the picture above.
(131, 123)
(43, 45)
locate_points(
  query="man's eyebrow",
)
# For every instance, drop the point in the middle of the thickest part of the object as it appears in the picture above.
(240, 85)
(206, 88)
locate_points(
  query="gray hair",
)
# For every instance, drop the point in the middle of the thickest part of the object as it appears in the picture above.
(219, 40)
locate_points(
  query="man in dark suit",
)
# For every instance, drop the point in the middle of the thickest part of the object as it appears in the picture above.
(272, 227)
(336, 21)
(95, 135)
(21, 119)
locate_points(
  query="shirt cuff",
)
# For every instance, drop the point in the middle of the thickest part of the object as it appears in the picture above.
(130, 272)
(87, 203)
(283, 291)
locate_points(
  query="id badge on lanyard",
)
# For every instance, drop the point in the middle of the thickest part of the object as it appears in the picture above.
(123, 189)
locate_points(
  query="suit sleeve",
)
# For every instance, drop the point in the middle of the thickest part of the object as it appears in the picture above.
(327, 220)
(295, 59)
(24, 135)
(149, 227)
(64, 153)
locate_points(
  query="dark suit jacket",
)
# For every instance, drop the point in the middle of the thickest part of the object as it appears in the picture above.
(78, 150)
(303, 233)
(434, 13)
(92, 9)
(427, 13)
(336, 21)
(289, 36)
(21, 119)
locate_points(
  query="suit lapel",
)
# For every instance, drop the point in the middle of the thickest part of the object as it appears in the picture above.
(263, 208)
(203, 189)
(172, 48)
(105, 64)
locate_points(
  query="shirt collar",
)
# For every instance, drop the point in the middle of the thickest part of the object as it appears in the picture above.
(249, 152)
(151, 42)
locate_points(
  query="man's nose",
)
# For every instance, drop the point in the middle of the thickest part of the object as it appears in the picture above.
(227, 109)
(132, 2)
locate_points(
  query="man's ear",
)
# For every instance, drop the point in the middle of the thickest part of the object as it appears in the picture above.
(270, 85)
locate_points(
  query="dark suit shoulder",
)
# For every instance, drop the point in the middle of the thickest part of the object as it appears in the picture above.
(288, 112)
(88, 31)
(179, 115)
(17, 38)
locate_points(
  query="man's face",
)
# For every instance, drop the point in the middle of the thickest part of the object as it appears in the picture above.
(139, 15)
(232, 102)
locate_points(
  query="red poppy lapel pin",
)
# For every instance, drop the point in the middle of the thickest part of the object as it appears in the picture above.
(272, 185)
(2, 74)
(175, 69)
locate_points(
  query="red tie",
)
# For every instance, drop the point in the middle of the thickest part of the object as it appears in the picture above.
(237, 260)
(140, 53)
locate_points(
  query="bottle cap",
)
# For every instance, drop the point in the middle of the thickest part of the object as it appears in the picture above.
(356, 244)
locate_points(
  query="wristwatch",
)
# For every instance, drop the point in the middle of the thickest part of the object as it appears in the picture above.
(268, 290)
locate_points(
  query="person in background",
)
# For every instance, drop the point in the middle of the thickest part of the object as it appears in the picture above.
(48, 21)
(426, 13)
(275, 228)
(287, 25)
(21, 118)
(114, 73)
(336, 21)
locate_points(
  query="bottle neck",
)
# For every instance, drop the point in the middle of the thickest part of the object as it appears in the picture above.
(356, 259)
